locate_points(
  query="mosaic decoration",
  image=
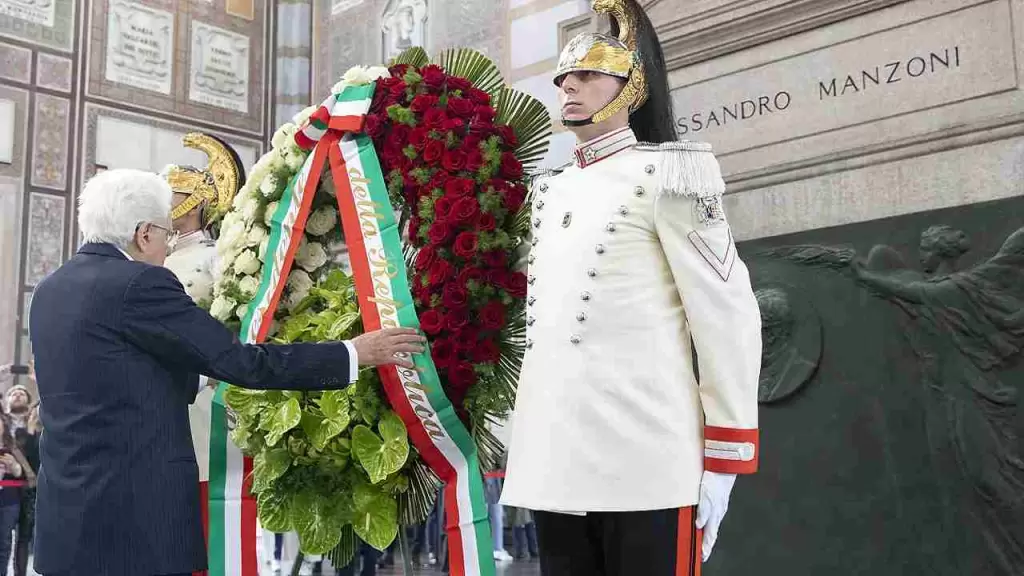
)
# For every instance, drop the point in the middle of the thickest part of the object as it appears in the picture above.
(50, 144)
(45, 236)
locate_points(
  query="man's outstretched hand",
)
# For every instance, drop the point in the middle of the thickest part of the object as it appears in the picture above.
(384, 346)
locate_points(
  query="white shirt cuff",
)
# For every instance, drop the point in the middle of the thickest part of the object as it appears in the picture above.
(353, 361)
(203, 381)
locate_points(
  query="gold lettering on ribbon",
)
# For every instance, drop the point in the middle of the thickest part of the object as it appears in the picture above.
(381, 273)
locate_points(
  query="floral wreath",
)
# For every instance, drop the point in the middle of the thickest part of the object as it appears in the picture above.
(451, 141)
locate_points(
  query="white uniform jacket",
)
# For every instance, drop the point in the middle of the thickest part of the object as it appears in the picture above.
(631, 257)
(193, 262)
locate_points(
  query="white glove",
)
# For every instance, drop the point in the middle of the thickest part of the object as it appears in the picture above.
(714, 502)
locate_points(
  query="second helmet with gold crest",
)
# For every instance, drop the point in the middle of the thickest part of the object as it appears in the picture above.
(210, 189)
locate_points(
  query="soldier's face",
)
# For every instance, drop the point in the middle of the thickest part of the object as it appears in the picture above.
(582, 94)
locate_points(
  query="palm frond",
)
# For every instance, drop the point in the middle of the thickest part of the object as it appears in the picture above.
(512, 344)
(489, 449)
(346, 549)
(414, 56)
(530, 120)
(415, 504)
(473, 66)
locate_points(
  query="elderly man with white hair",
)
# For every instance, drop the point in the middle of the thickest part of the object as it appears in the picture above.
(119, 347)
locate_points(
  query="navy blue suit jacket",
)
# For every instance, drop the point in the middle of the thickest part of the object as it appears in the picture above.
(118, 348)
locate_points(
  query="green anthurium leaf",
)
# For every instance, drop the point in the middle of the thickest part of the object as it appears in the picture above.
(329, 428)
(381, 457)
(273, 511)
(334, 403)
(243, 401)
(310, 423)
(269, 465)
(286, 417)
(375, 516)
(317, 520)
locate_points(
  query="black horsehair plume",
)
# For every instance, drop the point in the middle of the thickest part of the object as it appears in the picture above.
(654, 122)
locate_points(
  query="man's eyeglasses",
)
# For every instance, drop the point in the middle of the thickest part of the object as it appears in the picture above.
(172, 235)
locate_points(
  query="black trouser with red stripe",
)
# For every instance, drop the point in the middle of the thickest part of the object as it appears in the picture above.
(656, 543)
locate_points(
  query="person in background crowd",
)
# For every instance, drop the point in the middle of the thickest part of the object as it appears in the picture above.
(12, 473)
(18, 403)
(524, 534)
(496, 513)
(27, 440)
(368, 555)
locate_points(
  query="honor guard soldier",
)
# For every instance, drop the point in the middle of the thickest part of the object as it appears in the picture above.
(627, 455)
(201, 198)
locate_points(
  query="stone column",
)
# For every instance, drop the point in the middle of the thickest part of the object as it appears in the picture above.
(294, 53)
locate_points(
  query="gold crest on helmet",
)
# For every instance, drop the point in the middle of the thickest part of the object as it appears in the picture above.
(592, 52)
(213, 187)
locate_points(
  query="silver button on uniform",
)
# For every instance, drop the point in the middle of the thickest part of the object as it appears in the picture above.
(592, 272)
(585, 296)
(639, 191)
(649, 169)
(575, 339)
(610, 227)
(581, 317)
(599, 248)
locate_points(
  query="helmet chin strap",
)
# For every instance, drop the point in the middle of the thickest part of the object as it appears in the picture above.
(574, 123)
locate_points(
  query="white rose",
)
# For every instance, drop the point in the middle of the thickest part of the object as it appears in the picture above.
(301, 118)
(270, 186)
(293, 158)
(222, 308)
(263, 249)
(256, 235)
(311, 256)
(223, 265)
(299, 285)
(268, 216)
(232, 235)
(377, 72)
(250, 205)
(249, 285)
(247, 263)
(241, 311)
(280, 138)
(277, 161)
(322, 221)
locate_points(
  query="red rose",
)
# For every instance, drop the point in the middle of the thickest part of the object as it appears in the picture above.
(453, 125)
(465, 243)
(414, 223)
(443, 208)
(456, 319)
(432, 322)
(433, 76)
(423, 102)
(487, 222)
(454, 297)
(492, 316)
(460, 107)
(465, 209)
(398, 89)
(454, 160)
(440, 272)
(433, 152)
(456, 83)
(471, 142)
(438, 181)
(419, 137)
(439, 232)
(372, 126)
(462, 376)
(458, 187)
(434, 118)
(474, 160)
(496, 259)
(484, 114)
(514, 198)
(398, 138)
(508, 136)
(511, 168)
(442, 351)
(496, 276)
(516, 285)
(399, 70)
(479, 97)
(470, 274)
(425, 258)
(486, 352)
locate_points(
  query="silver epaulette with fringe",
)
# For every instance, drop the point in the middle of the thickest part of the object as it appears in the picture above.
(687, 169)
